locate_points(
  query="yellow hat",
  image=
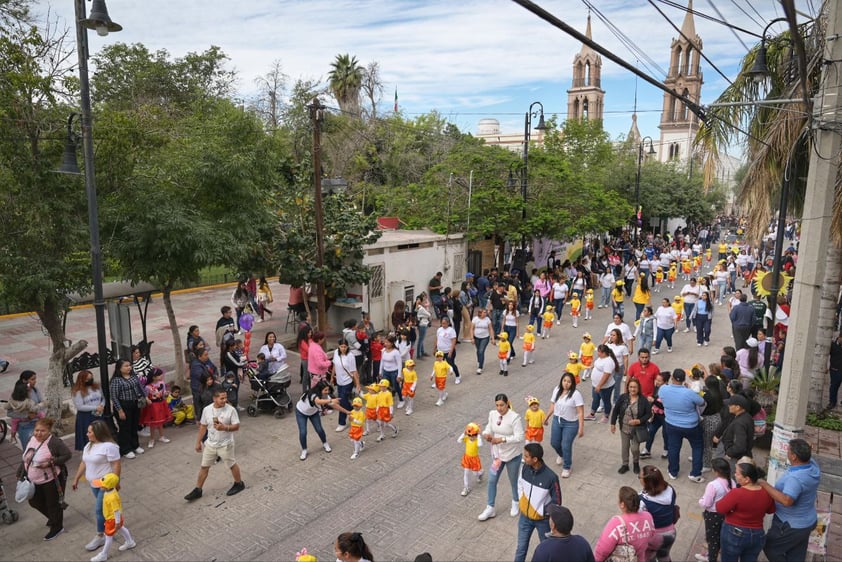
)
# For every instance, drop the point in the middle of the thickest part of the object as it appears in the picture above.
(589, 291)
(472, 429)
(384, 383)
(532, 400)
(410, 363)
(373, 387)
(586, 336)
(109, 481)
(549, 307)
(530, 328)
(677, 298)
(357, 402)
(439, 353)
(620, 283)
(503, 336)
(573, 356)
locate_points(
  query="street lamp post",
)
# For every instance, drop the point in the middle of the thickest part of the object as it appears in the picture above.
(524, 179)
(637, 209)
(101, 22)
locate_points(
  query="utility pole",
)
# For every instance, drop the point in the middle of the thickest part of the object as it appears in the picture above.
(813, 250)
(317, 116)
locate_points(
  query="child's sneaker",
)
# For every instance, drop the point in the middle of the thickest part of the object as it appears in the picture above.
(354, 456)
(150, 444)
(127, 546)
(379, 439)
(101, 557)
(465, 491)
(439, 402)
(163, 439)
(479, 476)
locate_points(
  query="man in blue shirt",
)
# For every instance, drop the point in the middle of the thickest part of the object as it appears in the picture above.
(682, 421)
(795, 502)
(560, 544)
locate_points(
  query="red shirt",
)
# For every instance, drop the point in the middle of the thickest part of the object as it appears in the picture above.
(746, 508)
(646, 376)
(376, 350)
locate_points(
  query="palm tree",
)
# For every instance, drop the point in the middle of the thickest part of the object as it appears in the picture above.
(345, 81)
(780, 141)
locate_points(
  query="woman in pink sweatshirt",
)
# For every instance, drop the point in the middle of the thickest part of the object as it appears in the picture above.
(630, 527)
(318, 363)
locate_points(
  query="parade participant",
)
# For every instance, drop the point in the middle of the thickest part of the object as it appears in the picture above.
(409, 381)
(357, 417)
(589, 300)
(602, 380)
(575, 309)
(665, 321)
(100, 456)
(441, 369)
(574, 367)
(548, 318)
(385, 409)
(568, 421)
(690, 294)
(529, 345)
(587, 349)
(481, 334)
(112, 511)
(370, 398)
(505, 432)
(617, 297)
(219, 421)
(534, 417)
(504, 352)
(446, 343)
(471, 463)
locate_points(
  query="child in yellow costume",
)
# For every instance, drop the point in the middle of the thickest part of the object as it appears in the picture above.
(574, 367)
(678, 307)
(548, 318)
(708, 255)
(575, 309)
(112, 512)
(370, 399)
(528, 345)
(441, 369)
(659, 278)
(504, 350)
(586, 353)
(697, 264)
(470, 460)
(617, 297)
(357, 417)
(385, 409)
(409, 380)
(686, 269)
(589, 304)
(534, 420)
(671, 275)
(181, 412)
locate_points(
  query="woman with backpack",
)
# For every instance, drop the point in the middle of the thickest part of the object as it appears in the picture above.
(658, 498)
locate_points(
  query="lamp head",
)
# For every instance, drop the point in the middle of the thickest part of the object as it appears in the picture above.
(69, 165)
(651, 148)
(759, 70)
(541, 126)
(99, 20)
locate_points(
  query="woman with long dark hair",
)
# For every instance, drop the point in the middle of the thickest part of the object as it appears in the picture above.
(99, 457)
(310, 407)
(568, 415)
(748, 358)
(711, 417)
(87, 397)
(505, 433)
(350, 547)
(641, 295)
(602, 379)
(658, 498)
(302, 343)
(240, 298)
(125, 393)
(703, 317)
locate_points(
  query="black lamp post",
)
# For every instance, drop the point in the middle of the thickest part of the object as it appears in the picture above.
(524, 179)
(651, 151)
(759, 70)
(99, 21)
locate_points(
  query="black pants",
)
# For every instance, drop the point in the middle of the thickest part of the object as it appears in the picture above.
(46, 500)
(127, 428)
(713, 530)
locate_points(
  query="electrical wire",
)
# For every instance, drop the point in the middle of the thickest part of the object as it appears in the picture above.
(749, 16)
(733, 32)
(689, 40)
(703, 15)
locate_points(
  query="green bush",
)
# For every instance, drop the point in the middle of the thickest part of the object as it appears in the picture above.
(825, 420)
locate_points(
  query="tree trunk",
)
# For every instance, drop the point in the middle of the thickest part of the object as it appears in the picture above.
(826, 326)
(50, 315)
(178, 348)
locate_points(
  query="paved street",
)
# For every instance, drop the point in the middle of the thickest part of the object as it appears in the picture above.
(401, 494)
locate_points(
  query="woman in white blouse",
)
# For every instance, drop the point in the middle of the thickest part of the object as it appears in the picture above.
(568, 415)
(276, 355)
(504, 431)
(346, 378)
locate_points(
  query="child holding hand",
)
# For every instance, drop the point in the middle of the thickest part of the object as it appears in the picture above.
(112, 512)
(409, 380)
(470, 460)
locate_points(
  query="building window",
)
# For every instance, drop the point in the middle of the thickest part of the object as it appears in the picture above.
(375, 285)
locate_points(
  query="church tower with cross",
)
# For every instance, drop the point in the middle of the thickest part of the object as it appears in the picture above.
(586, 99)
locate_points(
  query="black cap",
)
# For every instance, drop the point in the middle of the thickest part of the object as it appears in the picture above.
(562, 518)
(738, 400)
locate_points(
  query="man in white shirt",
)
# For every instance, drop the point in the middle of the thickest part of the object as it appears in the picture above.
(219, 421)
(691, 294)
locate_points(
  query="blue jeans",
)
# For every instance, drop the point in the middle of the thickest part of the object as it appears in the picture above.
(536, 320)
(450, 357)
(720, 292)
(702, 328)
(25, 430)
(525, 526)
(316, 420)
(741, 543)
(392, 377)
(675, 437)
(603, 395)
(688, 309)
(561, 439)
(656, 424)
(344, 392)
(785, 543)
(512, 332)
(422, 333)
(513, 470)
(497, 320)
(638, 310)
(605, 299)
(664, 335)
(482, 344)
(100, 518)
(558, 304)
(618, 308)
(618, 384)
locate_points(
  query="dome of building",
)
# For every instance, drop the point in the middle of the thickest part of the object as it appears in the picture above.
(488, 126)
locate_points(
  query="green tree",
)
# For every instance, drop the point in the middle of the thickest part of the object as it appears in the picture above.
(345, 80)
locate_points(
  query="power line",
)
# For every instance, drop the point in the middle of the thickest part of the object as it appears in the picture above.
(709, 18)
(749, 16)
(750, 5)
(712, 5)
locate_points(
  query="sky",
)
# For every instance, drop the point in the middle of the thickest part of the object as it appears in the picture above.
(466, 59)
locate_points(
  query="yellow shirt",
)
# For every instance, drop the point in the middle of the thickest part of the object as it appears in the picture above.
(370, 399)
(504, 348)
(409, 375)
(589, 300)
(549, 317)
(678, 307)
(111, 503)
(512, 293)
(587, 349)
(533, 418)
(384, 399)
(575, 369)
(357, 418)
(441, 369)
(575, 304)
(659, 277)
(471, 446)
(639, 296)
(723, 248)
(528, 341)
(618, 295)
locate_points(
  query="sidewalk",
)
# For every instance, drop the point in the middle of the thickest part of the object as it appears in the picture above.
(402, 494)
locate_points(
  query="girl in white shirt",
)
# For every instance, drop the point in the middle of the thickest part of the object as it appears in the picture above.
(568, 415)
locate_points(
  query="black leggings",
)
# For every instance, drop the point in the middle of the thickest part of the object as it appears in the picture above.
(713, 530)
(127, 428)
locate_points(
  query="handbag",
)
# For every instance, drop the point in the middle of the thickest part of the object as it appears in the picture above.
(142, 402)
(25, 489)
(641, 433)
(623, 551)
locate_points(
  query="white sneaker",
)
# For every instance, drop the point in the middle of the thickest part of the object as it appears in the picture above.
(354, 456)
(487, 513)
(696, 479)
(531, 362)
(164, 439)
(479, 371)
(101, 557)
(326, 447)
(150, 445)
(433, 385)
(685, 330)
(400, 404)
(144, 432)
(139, 451)
(465, 491)
(303, 454)
(706, 469)
(515, 509)
(565, 473)
(439, 402)
(559, 460)
(558, 323)
(479, 476)
(458, 380)
(444, 397)
(600, 409)
(409, 411)
(130, 455)
(95, 543)
(701, 558)
(127, 546)
(340, 428)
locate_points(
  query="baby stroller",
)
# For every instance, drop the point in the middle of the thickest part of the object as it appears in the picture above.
(7, 514)
(270, 394)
